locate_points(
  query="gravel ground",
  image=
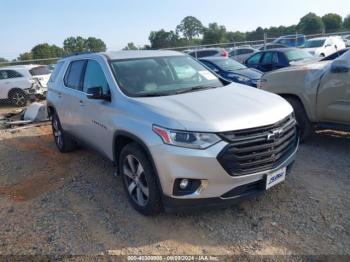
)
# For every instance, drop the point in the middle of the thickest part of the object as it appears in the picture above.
(54, 204)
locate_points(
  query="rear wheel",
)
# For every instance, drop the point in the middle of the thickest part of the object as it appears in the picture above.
(304, 124)
(18, 98)
(63, 141)
(139, 180)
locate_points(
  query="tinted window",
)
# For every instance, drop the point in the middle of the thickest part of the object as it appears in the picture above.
(94, 77)
(40, 70)
(203, 53)
(244, 51)
(314, 43)
(74, 73)
(267, 59)
(56, 71)
(254, 59)
(7, 74)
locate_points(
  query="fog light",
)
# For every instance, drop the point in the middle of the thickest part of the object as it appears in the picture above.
(184, 183)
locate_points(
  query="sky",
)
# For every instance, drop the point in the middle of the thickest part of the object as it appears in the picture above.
(117, 22)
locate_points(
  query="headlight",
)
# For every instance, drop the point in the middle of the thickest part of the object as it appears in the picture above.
(185, 138)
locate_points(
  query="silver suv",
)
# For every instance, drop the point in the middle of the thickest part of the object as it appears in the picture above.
(180, 136)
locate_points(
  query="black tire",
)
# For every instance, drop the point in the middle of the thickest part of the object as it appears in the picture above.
(18, 97)
(152, 203)
(304, 124)
(63, 141)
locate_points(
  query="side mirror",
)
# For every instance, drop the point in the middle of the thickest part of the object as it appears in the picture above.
(97, 93)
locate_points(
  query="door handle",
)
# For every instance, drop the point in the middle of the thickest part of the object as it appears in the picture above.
(59, 95)
(81, 103)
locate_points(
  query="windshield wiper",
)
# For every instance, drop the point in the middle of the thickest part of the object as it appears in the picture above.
(195, 88)
(154, 94)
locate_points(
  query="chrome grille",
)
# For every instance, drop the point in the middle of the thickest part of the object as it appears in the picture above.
(258, 149)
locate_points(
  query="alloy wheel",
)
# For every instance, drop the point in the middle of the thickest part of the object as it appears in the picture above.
(18, 99)
(135, 179)
(57, 132)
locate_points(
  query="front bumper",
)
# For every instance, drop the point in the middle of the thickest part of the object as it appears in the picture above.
(177, 163)
(238, 194)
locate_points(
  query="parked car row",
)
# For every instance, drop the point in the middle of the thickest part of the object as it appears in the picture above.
(282, 52)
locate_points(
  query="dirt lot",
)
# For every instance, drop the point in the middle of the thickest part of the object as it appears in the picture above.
(52, 203)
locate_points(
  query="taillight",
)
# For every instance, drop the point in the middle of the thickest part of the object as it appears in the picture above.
(224, 53)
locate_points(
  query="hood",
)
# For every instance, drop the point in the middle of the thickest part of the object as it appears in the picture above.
(306, 61)
(247, 72)
(233, 107)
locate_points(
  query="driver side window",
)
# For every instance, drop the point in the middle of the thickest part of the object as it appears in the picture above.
(94, 77)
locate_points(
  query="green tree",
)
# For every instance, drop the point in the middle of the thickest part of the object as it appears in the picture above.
(332, 22)
(346, 22)
(80, 44)
(3, 60)
(190, 27)
(95, 45)
(235, 36)
(214, 34)
(74, 44)
(163, 39)
(258, 34)
(130, 46)
(25, 56)
(310, 24)
(45, 50)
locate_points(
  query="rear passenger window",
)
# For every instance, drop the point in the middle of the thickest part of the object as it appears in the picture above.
(267, 59)
(94, 77)
(254, 59)
(73, 77)
(56, 71)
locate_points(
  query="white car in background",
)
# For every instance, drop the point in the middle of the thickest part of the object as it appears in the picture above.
(40, 72)
(346, 39)
(19, 83)
(324, 46)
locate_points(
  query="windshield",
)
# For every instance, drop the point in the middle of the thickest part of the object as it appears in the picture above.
(228, 64)
(297, 54)
(160, 76)
(314, 43)
(40, 70)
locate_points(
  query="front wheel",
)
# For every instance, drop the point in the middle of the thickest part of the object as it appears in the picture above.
(139, 180)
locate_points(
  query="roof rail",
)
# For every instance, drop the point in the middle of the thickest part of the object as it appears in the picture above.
(79, 53)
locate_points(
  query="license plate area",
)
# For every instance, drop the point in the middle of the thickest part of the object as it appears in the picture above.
(275, 178)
